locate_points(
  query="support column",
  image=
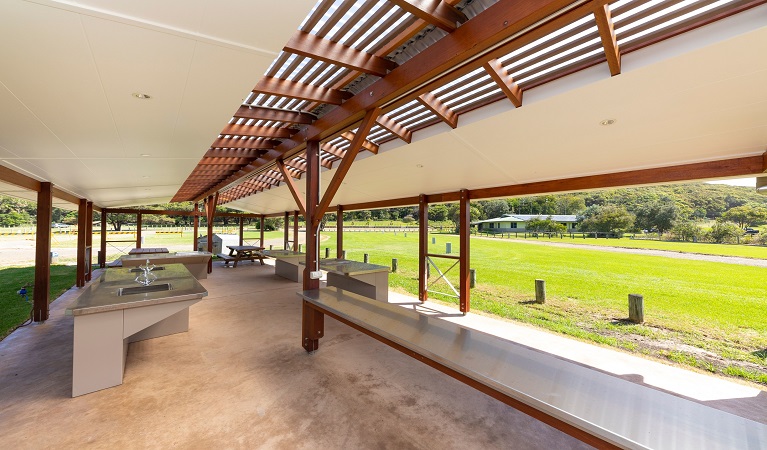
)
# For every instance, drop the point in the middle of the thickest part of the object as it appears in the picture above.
(82, 211)
(286, 234)
(210, 212)
(138, 230)
(464, 236)
(261, 229)
(295, 231)
(241, 229)
(89, 242)
(196, 222)
(103, 253)
(312, 321)
(423, 246)
(339, 231)
(40, 296)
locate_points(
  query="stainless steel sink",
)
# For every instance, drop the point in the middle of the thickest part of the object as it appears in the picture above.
(144, 289)
(136, 269)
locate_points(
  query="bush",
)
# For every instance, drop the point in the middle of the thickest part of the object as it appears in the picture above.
(686, 231)
(724, 232)
(408, 219)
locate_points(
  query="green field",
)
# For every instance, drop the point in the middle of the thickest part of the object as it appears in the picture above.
(715, 307)
(13, 309)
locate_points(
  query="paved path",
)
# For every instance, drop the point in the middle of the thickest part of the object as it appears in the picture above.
(650, 252)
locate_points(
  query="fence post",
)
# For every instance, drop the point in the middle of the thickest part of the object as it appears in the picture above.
(472, 278)
(365, 258)
(540, 291)
(327, 252)
(394, 264)
(636, 308)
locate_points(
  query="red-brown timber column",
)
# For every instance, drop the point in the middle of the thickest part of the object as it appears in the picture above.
(40, 296)
(312, 321)
(210, 211)
(241, 229)
(423, 246)
(82, 210)
(295, 231)
(286, 235)
(339, 231)
(89, 242)
(196, 224)
(464, 236)
(138, 230)
(103, 252)
(261, 228)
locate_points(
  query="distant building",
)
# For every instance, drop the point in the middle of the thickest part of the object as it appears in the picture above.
(518, 222)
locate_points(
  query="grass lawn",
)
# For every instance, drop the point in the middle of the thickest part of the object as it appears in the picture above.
(13, 309)
(746, 251)
(709, 311)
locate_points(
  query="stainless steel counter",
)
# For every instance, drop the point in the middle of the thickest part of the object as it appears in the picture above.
(370, 280)
(283, 254)
(195, 262)
(287, 263)
(350, 268)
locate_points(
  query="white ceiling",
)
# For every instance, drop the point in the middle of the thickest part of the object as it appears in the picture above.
(698, 97)
(68, 72)
(67, 114)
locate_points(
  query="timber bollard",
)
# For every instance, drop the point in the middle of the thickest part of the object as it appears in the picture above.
(327, 253)
(343, 254)
(540, 291)
(448, 248)
(394, 264)
(636, 308)
(270, 246)
(365, 258)
(472, 278)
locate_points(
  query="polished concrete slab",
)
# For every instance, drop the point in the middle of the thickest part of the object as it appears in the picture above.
(240, 379)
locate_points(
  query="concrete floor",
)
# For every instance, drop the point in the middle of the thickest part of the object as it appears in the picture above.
(240, 379)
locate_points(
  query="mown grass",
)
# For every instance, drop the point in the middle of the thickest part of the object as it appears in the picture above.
(714, 307)
(13, 309)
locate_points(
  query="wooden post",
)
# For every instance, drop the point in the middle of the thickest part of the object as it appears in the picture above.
(327, 252)
(472, 278)
(286, 234)
(40, 296)
(365, 258)
(636, 308)
(261, 225)
(138, 230)
(103, 253)
(464, 292)
(89, 242)
(340, 232)
(540, 291)
(210, 213)
(196, 222)
(312, 321)
(81, 231)
(295, 232)
(241, 229)
(423, 247)
(394, 264)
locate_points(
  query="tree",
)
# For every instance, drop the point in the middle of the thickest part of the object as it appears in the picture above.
(118, 220)
(438, 212)
(686, 231)
(745, 215)
(546, 225)
(495, 208)
(659, 216)
(570, 204)
(724, 232)
(454, 213)
(606, 219)
(15, 219)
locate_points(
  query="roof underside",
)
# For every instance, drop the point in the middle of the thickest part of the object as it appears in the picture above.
(525, 106)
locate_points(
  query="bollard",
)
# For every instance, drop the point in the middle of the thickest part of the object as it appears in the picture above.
(405, 234)
(472, 278)
(448, 248)
(433, 240)
(365, 258)
(270, 246)
(327, 253)
(636, 308)
(299, 248)
(343, 254)
(540, 291)
(394, 264)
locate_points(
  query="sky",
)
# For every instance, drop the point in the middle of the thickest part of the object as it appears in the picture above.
(750, 182)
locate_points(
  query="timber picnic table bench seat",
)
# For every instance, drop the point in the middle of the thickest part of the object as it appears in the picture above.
(600, 409)
(239, 253)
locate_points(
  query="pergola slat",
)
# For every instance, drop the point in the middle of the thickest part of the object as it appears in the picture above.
(609, 41)
(435, 12)
(277, 115)
(305, 44)
(292, 89)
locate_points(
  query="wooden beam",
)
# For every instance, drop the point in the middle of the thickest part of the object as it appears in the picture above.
(435, 12)
(103, 246)
(397, 129)
(609, 41)
(293, 89)
(274, 114)
(495, 69)
(223, 161)
(234, 153)
(432, 103)
(139, 225)
(292, 186)
(340, 231)
(464, 232)
(81, 232)
(40, 294)
(423, 247)
(12, 177)
(312, 322)
(210, 213)
(63, 195)
(315, 47)
(346, 163)
(196, 225)
(244, 143)
(89, 242)
(366, 145)
(255, 131)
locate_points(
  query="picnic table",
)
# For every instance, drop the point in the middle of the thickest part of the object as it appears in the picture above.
(239, 253)
(147, 250)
